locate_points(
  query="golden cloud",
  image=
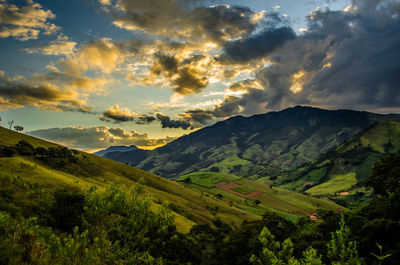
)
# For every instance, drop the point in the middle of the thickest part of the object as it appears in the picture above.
(26, 22)
(61, 46)
(18, 92)
(85, 138)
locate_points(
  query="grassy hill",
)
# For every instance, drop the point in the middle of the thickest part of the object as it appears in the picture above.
(257, 146)
(344, 170)
(38, 162)
(254, 197)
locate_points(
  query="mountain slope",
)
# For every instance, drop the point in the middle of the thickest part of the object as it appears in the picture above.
(37, 161)
(346, 168)
(256, 146)
(51, 165)
(119, 148)
(254, 197)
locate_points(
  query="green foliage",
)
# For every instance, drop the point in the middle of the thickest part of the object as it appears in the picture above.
(385, 176)
(381, 256)
(24, 148)
(276, 253)
(126, 216)
(120, 228)
(67, 210)
(340, 249)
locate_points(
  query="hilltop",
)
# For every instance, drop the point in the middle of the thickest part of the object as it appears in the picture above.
(257, 146)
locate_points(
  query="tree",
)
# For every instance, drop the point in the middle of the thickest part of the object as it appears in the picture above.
(340, 249)
(18, 128)
(10, 123)
(385, 176)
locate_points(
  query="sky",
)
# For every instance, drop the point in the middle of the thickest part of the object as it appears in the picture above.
(95, 73)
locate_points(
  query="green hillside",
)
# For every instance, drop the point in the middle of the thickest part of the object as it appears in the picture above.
(344, 171)
(38, 162)
(254, 197)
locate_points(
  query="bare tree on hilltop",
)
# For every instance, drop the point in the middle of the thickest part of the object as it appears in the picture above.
(10, 123)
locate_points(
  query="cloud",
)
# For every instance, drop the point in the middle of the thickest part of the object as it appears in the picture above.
(167, 122)
(346, 59)
(190, 81)
(86, 138)
(122, 114)
(118, 114)
(198, 117)
(61, 46)
(259, 45)
(186, 36)
(186, 76)
(144, 119)
(184, 19)
(18, 92)
(101, 54)
(25, 22)
(67, 86)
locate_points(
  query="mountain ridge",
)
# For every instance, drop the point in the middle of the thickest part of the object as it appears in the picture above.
(116, 148)
(255, 146)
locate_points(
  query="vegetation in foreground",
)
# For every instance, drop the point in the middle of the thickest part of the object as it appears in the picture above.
(119, 226)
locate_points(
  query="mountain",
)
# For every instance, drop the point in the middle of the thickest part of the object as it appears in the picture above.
(35, 162)
(256, 146)
(345, 169)
(118, 148)
(48, 166)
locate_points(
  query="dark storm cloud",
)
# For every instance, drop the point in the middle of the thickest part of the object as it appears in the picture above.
(346, 59)
(167, 122)
(364, 68)
(259, 45)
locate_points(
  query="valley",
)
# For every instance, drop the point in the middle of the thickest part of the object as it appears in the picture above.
(233, 199)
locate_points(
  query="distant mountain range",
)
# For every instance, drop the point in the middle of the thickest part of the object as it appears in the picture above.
(118, 148)
(256, 146)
